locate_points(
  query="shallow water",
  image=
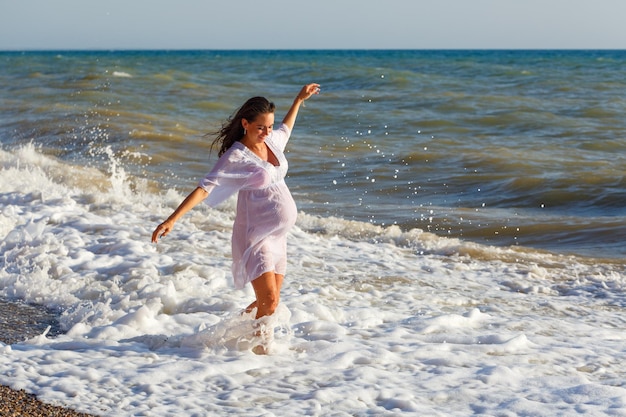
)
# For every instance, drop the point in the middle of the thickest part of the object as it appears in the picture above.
(395, 303)
(373, 320)
(20, 321)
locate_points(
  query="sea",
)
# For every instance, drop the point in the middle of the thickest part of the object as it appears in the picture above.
(459, 249)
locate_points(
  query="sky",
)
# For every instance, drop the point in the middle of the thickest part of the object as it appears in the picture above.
(312, 24)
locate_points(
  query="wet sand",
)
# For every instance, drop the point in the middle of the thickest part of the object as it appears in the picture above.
(18, 322)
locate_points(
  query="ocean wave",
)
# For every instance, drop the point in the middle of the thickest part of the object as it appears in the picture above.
(375, 316)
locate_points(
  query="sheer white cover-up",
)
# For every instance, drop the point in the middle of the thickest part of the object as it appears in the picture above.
(266, 210)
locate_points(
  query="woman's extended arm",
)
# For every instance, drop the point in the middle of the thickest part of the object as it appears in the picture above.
(188, 203)
(306, 92)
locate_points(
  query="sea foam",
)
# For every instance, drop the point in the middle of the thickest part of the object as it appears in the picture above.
(372, 321)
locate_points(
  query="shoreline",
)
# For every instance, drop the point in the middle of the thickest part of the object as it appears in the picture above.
(19, 403)
(18, 322)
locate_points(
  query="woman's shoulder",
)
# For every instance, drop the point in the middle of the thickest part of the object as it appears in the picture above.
(282, 129)
(280, 136)
(236, 151)
(234, 156)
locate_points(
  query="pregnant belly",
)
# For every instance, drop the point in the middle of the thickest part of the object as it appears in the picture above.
(287, 213)
(270, 215)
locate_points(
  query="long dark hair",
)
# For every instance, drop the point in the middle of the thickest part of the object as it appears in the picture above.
(232, 130)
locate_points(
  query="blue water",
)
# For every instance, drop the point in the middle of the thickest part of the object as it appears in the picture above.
(499, 147)
(458, 249)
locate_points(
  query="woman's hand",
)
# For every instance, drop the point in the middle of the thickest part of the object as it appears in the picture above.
(308, 90)
(190, 202)
(162, 230)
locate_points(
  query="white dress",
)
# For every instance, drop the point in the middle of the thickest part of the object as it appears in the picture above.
(265, 208)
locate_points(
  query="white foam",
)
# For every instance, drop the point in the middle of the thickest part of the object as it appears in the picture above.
(121, 74)
(372, 321)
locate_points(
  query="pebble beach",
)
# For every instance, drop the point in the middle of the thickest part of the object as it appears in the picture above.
(22, 404)
(19, 321)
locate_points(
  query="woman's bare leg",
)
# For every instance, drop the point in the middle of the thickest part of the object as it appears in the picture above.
(279, 284)
(267, 290)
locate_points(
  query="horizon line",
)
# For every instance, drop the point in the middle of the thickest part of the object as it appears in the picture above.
(293, 49)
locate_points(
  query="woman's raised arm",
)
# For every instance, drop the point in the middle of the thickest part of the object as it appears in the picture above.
(306, 92)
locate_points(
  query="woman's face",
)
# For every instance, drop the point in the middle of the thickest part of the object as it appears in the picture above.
(258, 129)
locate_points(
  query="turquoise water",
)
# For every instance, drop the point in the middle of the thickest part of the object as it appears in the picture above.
(499, 147)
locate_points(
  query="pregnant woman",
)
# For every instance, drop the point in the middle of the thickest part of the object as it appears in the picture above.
(252, 164)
